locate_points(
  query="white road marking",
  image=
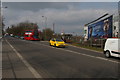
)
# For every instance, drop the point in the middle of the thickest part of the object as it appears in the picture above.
(44, 41)
(77, 47)
(34, 72)
(84, 48)
(101, 58)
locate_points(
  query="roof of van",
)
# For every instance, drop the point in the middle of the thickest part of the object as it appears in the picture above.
(114, 38)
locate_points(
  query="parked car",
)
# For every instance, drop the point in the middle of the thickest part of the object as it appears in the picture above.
(112, 47)
(21, 37)
(57, 42)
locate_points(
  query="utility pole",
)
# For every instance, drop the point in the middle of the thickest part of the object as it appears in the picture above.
(53, 27)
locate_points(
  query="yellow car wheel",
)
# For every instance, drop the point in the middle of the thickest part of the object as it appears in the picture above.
(54, 45)
(50, 44)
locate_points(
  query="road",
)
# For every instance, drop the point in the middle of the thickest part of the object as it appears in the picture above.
(36, 59)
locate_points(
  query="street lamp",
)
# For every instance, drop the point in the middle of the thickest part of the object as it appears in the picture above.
(45, 20)
(45, 24)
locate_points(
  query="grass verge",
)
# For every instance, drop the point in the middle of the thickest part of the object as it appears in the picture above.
(87, 47)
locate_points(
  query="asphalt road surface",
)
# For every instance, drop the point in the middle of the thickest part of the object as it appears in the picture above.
(36, 59)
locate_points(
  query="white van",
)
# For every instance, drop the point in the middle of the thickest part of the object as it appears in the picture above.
(112, 47)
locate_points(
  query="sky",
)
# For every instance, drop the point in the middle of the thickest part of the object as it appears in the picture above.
(68, 17)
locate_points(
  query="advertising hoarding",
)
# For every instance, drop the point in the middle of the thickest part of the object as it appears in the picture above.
(101, 29)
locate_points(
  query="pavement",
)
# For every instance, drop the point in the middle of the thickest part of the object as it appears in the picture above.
(0, 58)
(13, 67)
(52, 62)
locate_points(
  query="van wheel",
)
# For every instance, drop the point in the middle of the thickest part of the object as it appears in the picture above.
(107, 54)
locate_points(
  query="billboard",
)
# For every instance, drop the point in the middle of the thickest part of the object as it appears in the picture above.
(101, 29)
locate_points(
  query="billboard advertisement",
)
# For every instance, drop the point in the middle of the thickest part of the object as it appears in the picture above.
(101, 29)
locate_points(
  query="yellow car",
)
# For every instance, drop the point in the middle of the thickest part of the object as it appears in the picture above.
(57, 42)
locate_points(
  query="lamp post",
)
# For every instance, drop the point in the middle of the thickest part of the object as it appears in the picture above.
(45, 20)
(45, 24)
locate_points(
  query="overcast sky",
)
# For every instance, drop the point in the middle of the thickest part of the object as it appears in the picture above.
(68, 16)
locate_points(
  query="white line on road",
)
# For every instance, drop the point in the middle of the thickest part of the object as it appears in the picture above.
(101, 58)
(76, 47)
(84, 48)
(91, 56)
(34, 72)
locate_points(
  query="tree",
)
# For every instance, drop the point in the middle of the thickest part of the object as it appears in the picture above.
(2, 25)
(20, 28)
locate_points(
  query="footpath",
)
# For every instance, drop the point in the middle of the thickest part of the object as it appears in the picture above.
(0, 58)
(12, 66)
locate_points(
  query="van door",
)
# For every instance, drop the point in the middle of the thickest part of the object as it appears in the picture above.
(114, 47)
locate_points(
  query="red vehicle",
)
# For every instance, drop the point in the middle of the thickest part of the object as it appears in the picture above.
(31, 35)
